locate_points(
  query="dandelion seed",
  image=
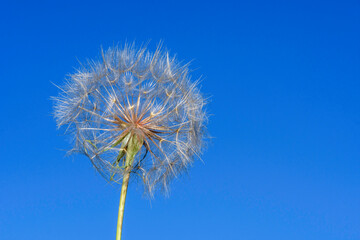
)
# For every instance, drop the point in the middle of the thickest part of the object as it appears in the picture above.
(134, 114)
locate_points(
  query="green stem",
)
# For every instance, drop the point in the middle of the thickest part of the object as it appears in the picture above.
(133, 146)
(124, 188)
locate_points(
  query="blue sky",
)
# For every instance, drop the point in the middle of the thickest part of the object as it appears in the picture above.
(283, 77)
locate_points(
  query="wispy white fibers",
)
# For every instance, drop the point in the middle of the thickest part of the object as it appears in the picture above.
(128, 92)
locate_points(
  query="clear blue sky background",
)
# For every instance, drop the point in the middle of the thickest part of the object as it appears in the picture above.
(284, 80)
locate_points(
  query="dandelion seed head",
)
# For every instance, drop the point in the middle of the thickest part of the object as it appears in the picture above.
(131, 92)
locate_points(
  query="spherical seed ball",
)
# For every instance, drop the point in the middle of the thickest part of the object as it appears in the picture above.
(132, 93)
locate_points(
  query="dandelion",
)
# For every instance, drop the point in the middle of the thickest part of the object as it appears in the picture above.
(134, 114)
